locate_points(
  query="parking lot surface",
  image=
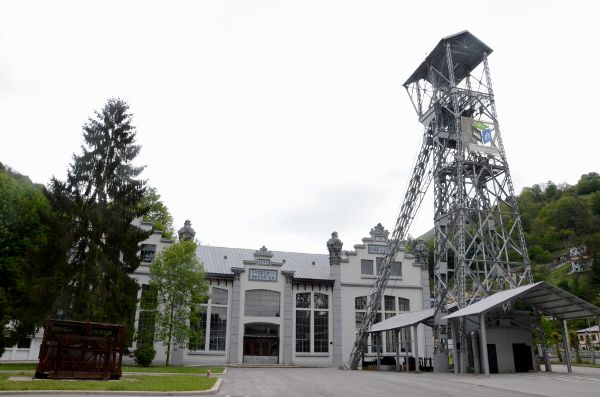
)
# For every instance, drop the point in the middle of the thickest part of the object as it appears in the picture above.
(330, 382)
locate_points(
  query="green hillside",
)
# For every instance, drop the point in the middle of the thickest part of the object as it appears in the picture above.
(556, 218)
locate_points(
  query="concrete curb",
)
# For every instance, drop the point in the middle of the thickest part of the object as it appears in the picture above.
(212, 390)
(12, 371)
(283, 366)
(173, 373)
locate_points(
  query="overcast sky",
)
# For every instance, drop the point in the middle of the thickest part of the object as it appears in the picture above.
(275, 123)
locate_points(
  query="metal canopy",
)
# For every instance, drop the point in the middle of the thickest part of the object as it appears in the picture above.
(404, 320)
(467, 52)
(547, 298)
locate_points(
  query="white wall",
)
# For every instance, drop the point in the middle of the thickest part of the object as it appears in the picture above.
(409, 286)
(503, 338)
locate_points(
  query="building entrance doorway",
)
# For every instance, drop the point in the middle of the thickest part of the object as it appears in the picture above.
(261, 343)
(522, 356)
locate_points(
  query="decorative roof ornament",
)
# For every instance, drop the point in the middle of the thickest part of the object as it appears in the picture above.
(186, 232)
(263, 252)
(334, 245)
(379, 233)
(421, 252)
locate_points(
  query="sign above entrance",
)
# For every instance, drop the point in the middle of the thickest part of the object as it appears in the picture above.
(262, 275)
(377, 249)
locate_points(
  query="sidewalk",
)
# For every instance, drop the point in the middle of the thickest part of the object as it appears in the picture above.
(588, 371)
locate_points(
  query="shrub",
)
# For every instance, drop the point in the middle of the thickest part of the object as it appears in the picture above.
(144, 355)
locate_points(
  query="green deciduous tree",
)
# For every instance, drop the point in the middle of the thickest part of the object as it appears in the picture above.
(555, 336)
(588, 183)
(99, 200)
(157, 212)
(177, 277)
(595, 203)
(30, 238)
(571, 212)
(574, 342)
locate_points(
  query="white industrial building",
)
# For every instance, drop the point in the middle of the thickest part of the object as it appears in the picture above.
(280, 307)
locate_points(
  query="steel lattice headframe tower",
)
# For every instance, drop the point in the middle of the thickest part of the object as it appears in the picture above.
(479, 242)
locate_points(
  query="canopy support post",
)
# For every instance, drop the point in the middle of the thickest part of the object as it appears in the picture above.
(454, 347)
(397, 336)
(565, 335)
(416, 343)
(484, 350)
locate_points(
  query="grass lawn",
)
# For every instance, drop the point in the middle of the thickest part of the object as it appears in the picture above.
(127, 383)
(126, 368)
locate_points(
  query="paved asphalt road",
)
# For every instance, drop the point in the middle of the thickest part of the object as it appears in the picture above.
(330, 382)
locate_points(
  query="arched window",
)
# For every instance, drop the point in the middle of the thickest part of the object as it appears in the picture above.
(262, 303)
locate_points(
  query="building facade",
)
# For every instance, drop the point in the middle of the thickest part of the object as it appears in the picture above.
(589, 338)
(279, 307)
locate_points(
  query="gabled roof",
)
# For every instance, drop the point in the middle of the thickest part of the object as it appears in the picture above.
(547, 298)
(595, 328)
(220, 260)
(467, 52)
(404, 320)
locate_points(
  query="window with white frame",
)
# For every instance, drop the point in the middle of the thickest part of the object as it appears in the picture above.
(147, 316)
(262, 303)
(366, 267)
(303, 322)
(389, 308)
(376, 340)
(395, 267)
(312, 322)
(389, 305)
(321, 323)
(210, 319)
(360, 307)
(403, 305)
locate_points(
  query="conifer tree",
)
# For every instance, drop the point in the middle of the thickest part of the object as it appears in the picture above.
(99, 200)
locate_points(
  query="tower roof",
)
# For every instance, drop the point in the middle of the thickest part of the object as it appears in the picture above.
(467, 53)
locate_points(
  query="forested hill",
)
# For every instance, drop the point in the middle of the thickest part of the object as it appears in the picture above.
(556, 218)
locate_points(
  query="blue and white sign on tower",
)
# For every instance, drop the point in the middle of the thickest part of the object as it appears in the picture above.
(486, 135)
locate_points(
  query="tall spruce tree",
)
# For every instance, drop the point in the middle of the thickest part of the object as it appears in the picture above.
(100, 199)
